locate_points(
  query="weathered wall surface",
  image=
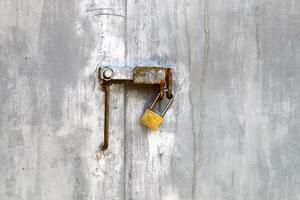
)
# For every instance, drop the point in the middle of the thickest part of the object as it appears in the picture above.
(232, 133)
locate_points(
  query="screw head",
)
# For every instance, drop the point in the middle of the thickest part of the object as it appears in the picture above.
(107, 73)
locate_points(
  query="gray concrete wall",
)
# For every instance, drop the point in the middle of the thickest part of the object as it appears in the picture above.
(232, 133)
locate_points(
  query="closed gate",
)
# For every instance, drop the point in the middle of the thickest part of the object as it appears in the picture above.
(232, 131)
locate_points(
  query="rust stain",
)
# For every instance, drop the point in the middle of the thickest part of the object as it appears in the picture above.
(149, 75)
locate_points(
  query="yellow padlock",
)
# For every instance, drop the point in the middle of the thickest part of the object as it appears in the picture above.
(153, 120)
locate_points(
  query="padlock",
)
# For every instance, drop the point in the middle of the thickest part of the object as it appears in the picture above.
(153, 120)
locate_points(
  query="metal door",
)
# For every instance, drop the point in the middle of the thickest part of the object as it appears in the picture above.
(232, 132)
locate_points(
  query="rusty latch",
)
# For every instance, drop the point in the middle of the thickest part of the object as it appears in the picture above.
(159, 76)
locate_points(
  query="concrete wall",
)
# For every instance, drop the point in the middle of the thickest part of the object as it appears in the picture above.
(233, 131)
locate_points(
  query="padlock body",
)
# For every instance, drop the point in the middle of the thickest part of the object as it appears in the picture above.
(151, 120)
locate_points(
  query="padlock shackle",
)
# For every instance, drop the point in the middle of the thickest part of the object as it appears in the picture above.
(167, 106)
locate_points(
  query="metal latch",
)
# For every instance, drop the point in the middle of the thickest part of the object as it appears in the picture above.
(158, 76)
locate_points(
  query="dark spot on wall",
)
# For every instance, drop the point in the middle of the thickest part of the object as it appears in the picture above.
(64, 54)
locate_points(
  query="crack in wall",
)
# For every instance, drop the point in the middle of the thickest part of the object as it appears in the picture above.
(198, 138)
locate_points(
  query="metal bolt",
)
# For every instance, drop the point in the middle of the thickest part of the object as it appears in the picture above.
(108, 73)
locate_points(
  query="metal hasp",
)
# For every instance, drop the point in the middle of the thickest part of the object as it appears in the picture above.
(159, 76)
